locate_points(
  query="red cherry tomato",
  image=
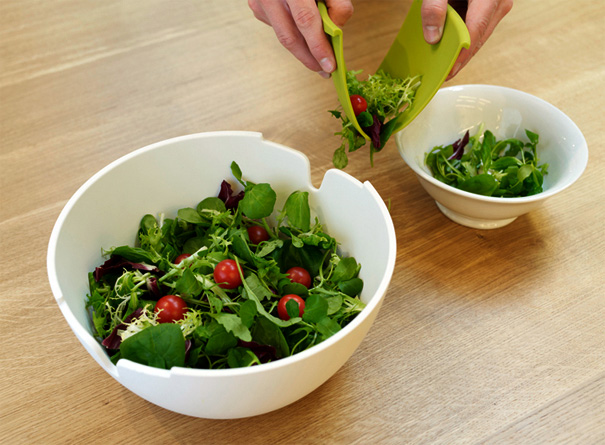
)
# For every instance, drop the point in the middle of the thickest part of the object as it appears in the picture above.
(181, 257)
(299, 275)
(359, 104)
(281, 306)
(227, 274)
(257, 234)
(170, 308)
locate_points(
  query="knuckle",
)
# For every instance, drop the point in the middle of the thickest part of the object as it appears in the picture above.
(304, 17)
(287, 40)
(482, 27)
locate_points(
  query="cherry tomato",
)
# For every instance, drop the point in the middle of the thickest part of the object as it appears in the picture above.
(170, 308)
(281, 306)
(299, 275)
(227, 274)
(257, 234)
(359, 104)
(181, 257)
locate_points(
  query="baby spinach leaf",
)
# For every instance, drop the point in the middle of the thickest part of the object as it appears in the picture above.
(220, 341)
(267, 333)
(483, 184)
(190, 215)
(134, 254)
(160, 346)
(211, 203)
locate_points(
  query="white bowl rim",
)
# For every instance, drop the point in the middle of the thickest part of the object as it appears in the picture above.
(495, 199)
(230, 372)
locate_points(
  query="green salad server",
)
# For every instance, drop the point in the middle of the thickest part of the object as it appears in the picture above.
(410, 55)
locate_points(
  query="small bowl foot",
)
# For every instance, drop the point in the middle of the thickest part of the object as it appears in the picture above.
(475, 223)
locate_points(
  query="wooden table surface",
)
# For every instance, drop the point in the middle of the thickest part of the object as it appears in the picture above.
(485, 336)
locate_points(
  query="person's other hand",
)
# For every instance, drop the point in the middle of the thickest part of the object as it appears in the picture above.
(298, 27)
(482, 17)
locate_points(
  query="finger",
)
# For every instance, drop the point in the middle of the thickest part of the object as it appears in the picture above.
(280, 18)
(308, 21)
(481, 20)
(433, 17)
(258, 11)
(340, 11)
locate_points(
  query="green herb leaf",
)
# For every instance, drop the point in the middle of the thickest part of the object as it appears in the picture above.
(267, 333)
(352, 287)
(160, 346)
(232, 323)
(211, 203)
(297, 210)
(220, 340)
(327, 327)
(316, 308)
(237, 172)
(258, 202)
(190, 215)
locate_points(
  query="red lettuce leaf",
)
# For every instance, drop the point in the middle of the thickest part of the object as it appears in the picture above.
(226, 195)
(374, 132)
(265, 353)
(117, 263)
(459, 145)
(113, 340)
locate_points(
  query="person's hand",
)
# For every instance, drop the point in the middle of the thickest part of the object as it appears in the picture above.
(298, 27)
(482, 16)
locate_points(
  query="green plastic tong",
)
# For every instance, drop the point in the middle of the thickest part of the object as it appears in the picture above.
(408, 56)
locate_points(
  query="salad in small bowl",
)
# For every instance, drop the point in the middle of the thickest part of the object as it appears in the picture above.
(206, 263)
(488, 154)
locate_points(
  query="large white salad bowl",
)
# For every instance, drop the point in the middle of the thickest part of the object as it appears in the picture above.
(168, 175)
(507, 113)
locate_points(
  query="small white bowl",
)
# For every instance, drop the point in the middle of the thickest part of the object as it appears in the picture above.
(179, 172)
(507, 113)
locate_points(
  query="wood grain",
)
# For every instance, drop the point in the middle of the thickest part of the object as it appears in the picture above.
(484, 337)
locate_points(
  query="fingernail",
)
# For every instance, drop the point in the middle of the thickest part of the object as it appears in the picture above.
(455, 69)
(432, 34)
(324, 74)
(326, 65)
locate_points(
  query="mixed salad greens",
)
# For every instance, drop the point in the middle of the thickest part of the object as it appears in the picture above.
(480, 164)
(218, 287)
(377, 103)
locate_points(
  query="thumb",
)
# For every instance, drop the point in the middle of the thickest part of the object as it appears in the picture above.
(433, 14)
